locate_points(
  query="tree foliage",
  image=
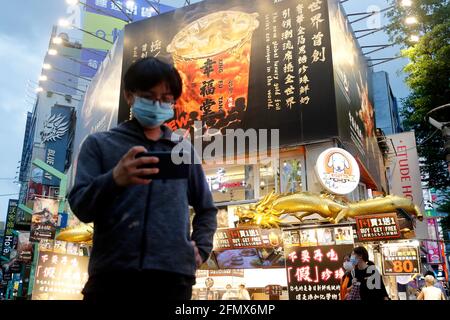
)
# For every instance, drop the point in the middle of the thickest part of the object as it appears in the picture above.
(428, 76)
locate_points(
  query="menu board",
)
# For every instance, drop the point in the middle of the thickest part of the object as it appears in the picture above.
(377, 227)
(245, 248)
(60, 276)
(314, 273)
(44, 219)
(400, 259)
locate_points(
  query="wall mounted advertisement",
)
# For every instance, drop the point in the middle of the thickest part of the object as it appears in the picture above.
(60, 276)
(246, 248)
(400, 259)
(378, 227)
(44, 219)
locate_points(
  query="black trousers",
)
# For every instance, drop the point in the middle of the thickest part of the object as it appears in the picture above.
(142, 286)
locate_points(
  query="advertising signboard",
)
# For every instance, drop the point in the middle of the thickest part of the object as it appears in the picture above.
(314, 273)
(338, 171)
(404, 170)
(314, 261)
(245, 248)
(8, 238)
(24, 247)
(400, 259)
(60, 276)
(378, 227)
(245, 64)
(44, 219)
(56, 134)
(432, 246)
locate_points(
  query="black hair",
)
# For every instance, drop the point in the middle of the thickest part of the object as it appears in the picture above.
(146, 73)
(361, 251)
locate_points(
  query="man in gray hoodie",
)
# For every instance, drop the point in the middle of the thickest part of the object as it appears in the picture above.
(143, 245)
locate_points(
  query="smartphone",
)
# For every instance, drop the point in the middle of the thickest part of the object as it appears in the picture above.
(167, 169)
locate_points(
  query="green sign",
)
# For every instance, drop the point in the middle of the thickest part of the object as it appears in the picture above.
(102, 26)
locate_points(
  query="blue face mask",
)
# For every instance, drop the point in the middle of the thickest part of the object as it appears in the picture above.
(151, 113)
(353, 260)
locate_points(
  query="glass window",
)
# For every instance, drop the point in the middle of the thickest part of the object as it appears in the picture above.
(291, 175)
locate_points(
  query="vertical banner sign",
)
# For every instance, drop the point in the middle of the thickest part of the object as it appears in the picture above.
(44, 219)
(432, 246)
(400, 259)
(24, 247)
(8, 239)
(60, 276)
(314, 273)
(56, 136)
(404, 169)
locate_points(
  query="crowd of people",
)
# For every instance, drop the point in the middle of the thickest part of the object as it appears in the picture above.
(362, 281)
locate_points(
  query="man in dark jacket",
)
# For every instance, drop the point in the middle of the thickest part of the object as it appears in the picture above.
(143, 246)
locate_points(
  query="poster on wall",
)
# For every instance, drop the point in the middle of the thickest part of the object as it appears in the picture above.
(246, 248)
(378, 227)
(60, 276)
(44, 219)
(432, 246)
(314, 273)
(24, 247)
(400, 259)
(244, 64)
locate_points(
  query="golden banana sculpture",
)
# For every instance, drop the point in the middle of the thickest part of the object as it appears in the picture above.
(266, 213)
(79, 233)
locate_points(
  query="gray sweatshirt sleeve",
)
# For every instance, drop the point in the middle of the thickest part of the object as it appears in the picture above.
(93, 187)
(204, 224)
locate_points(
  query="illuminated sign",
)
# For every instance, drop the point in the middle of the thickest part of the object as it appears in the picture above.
(338, 171)
(400, 259)
(377, 227)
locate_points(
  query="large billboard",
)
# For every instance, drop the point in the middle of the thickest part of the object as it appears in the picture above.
(56, 135)
(105, 19)
(60, 276)
(354, 102)
(245, 64)
(100, 105)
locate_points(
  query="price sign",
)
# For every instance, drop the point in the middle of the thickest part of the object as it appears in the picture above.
(400, 259)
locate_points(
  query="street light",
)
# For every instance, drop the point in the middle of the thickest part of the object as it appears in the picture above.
(39, 89)
(44, 77)
(406, 3)
(411, 20)
(64, 23)
(57, 40)
(52, 52)
(414, 38)
(46, 66)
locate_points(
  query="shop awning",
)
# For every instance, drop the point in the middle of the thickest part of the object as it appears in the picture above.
(366, 177)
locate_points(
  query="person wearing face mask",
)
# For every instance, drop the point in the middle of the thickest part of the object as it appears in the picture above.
(367, 275)
(346, 280)
(142, 227)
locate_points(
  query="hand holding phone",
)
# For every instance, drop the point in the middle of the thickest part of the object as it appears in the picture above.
(131, 170)
(167, 169)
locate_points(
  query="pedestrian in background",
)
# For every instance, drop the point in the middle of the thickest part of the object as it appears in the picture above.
(429, 291)
(366, 271)
(346, 280)
(243, 293)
